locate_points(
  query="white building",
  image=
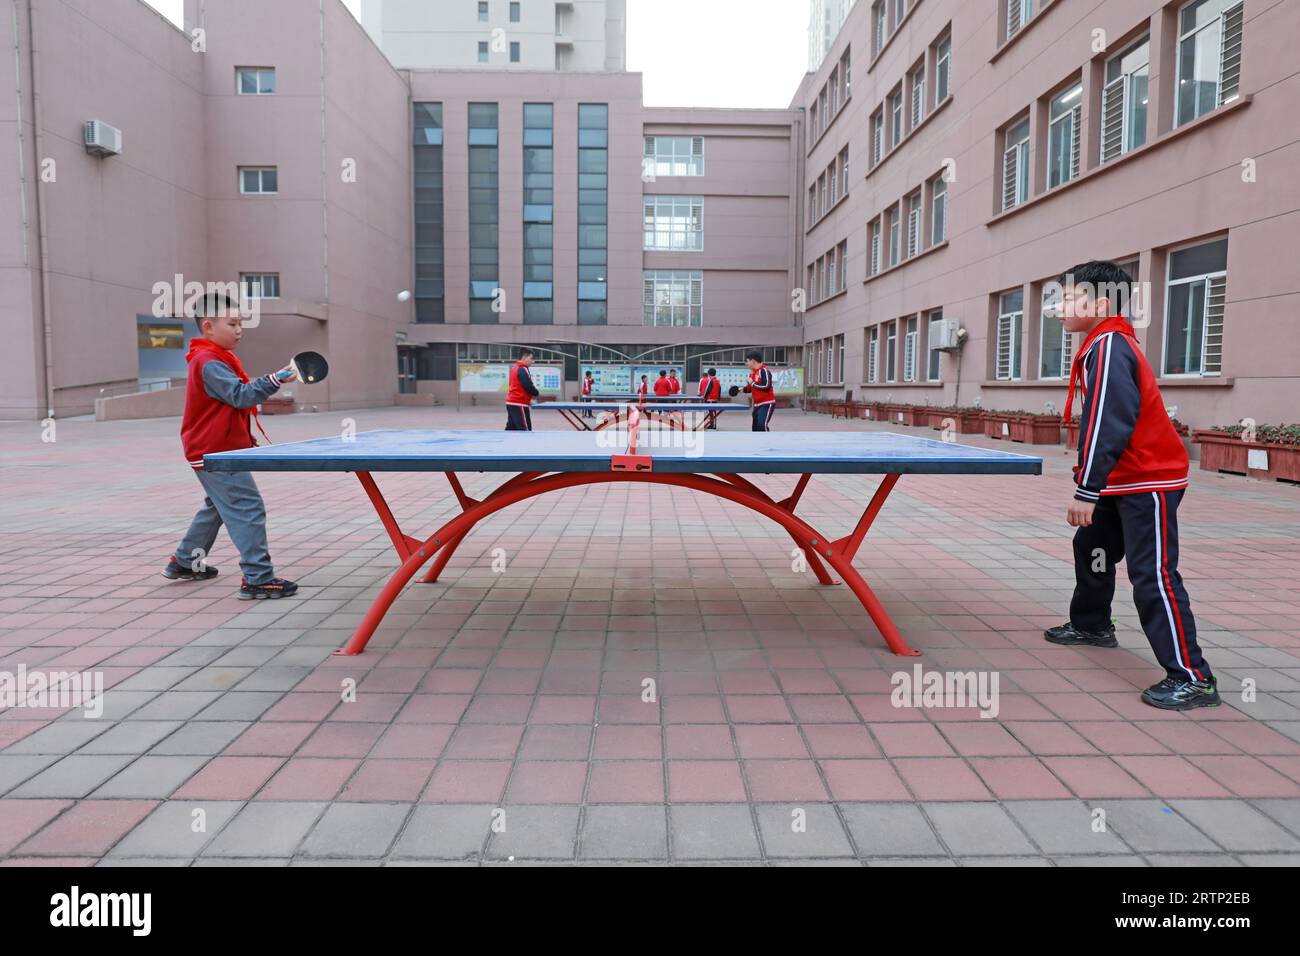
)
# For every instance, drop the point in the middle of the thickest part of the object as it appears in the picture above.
(579, 35)
(825, 17)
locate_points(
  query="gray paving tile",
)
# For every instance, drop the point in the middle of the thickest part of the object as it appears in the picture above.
(1236, 826)
(177, 828)
(356, 830)
(1016, 861)
(214, 677)
(118, 704)
(176, 705)
(978, 829)
(19, 767)
(1150, 826)
(624, 832)
(266, 828)
(912, 861)
(1108, 860)
(141, 861)
(1063, 827)
(271, 678)
(1270, 859)
(73, 776)
(446, 831)
(821, 836)
(238, 705)
(1192, 859)
(130, 737)
(535, 833)
(201, 737)
(1285, 812)
(60, 737)
(151, 777)
(240, 861)
(891, 830)
(156, 678)
(713, 832)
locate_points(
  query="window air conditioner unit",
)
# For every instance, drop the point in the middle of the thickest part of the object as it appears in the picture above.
(949, 337)
(102, 139)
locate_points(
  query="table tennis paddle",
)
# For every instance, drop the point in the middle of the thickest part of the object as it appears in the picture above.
(733, 391)
(310, 367)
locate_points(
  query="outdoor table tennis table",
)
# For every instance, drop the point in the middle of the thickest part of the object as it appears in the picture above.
(626, 397)
(553, 461)
(615, 413)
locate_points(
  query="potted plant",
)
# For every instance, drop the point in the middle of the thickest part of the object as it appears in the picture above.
(1271, 452)
(965, 419)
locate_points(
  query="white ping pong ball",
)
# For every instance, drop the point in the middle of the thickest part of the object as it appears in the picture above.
(403, 295)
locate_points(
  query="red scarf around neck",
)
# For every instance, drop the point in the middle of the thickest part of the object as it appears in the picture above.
(231, 360)
(1114, 323)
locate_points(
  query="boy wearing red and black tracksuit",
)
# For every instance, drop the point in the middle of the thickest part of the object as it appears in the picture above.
(219, 399)
(520, 395)
(662, 385)
(1129, 480)
(643, 391)
(673, 384)
(711, 391)
(761, 387)
(587, 387)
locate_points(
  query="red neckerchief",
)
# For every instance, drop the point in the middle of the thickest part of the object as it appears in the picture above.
(232, 360)
(1115, 323)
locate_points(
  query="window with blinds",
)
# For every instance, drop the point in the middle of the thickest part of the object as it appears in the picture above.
(674, 155)
(910, 339)
(1124, 101)
(1011, 313)
(1015, 166)
(918, 96)
(1209, 57)
(1195, 298)
(913, 225)
(1018, 14)
(875, 247)
(938, 210)
(1064, 115)
(873, 345)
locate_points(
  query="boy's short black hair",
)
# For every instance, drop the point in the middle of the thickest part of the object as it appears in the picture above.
(524, 353)
(210, 306)
(756, 355)
(713, 371)
(662, 373)
(1103, 279)
(588, 373)
(643, 378)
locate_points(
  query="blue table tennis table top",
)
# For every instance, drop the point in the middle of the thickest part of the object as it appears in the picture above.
(624, 397)
(814, 452)
(655, 406)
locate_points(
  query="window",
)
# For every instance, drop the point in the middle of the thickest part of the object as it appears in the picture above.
(1015, 166)
(674, 223)
(833, 84)
(891, 351)
(812, 204)
(259, 285)
(259, 180)
(1209, 57)
(873, 348)
(841, 256)
(514, 13)
(844, 171)
(1011, 317)
(942, 69)
(538, 196)
(900, 11)
(918, 95)
(1057, 345)
(1194, 297)
(674, 155)
(839, 359)
(877, 137)
(673, 298)
(593, 213)
(1124, 101)
(881, 19)
(482, 11)
(895, 117)
(828, 361)
(1063, 136)
(909, 350)
(255, 81)
(938, 210)
(845, 72)
(935, 339)
(429, 278)
(832, 271)
(484, 214)
(874, 265)
(913, 224)
(514, 51)
(1018, 14)
(482, 51)
(895, 233)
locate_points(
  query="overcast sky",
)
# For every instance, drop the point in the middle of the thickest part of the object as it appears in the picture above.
(739, 53)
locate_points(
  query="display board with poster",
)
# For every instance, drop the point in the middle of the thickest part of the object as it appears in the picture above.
(788, 381)
(487, 378)
(609, 379)
(651, 372)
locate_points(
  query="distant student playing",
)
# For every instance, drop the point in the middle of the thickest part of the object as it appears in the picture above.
(760, 386)
(588, 386)
(1130, 479)
(218, 401)
(643, 391)
(520, 394)
(673, 383)
(662, 385)
(711, 391)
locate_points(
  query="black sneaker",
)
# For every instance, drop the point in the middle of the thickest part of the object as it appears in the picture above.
(274, 589)
(175, 571)
(1174, 694)
(1070, 636)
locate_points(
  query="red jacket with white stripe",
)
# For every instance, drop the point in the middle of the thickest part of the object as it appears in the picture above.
(1127, 444)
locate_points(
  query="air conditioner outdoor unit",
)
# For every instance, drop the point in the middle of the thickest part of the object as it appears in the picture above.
(949, 339)
(102, 139)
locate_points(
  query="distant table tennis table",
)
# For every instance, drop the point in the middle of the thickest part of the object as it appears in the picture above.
(666, 413)
(626, 397)
(553, 461)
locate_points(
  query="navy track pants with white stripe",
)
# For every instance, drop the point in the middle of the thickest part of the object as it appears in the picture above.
(1141, 529)
(762, 415)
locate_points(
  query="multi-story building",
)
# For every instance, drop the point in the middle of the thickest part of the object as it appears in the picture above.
(991, 153)
(825, 17)
(523, 35)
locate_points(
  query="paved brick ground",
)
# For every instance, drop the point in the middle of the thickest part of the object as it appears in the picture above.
(499, 716)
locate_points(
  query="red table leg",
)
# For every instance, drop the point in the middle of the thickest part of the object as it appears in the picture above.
(839, 554)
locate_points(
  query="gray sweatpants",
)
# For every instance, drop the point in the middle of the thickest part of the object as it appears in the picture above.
(233, 500)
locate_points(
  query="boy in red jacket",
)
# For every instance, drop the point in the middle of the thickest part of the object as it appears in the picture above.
(1130, 478)
(218, 400)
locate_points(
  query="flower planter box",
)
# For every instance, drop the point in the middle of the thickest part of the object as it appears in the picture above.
(1225, 452)
(912, 415)
(279, 406)
(1032, 429)
(965, 421)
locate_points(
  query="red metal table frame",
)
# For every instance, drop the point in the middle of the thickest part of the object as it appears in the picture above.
(665, 417)
(442, 544)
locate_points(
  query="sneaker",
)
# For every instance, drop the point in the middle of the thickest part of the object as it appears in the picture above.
(175, 571)
(1070, 636)
(1174, 694)
(274, 589)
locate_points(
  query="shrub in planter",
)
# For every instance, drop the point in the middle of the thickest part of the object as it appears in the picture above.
(1273, 454)
(913, 415)
(966, 419)
(1023, 426)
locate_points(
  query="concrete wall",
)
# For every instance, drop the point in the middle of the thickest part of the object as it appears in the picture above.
(1186, 184)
